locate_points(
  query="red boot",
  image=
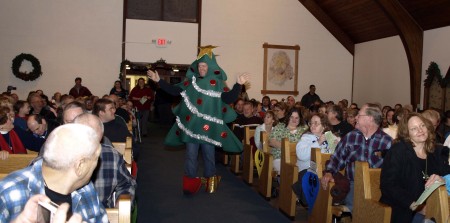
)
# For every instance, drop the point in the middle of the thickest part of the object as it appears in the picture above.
(191, 185)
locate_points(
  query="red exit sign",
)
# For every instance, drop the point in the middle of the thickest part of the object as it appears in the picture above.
(161, 42)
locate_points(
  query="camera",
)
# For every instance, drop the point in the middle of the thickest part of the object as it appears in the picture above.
(10, 88)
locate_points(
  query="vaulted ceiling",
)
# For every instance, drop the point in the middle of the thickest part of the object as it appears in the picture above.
(357, 21)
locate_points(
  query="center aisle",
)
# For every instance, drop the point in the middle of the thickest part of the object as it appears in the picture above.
(160, 196)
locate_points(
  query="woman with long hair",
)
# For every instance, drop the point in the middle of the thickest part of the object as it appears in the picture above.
(409, 167)
(119, 90)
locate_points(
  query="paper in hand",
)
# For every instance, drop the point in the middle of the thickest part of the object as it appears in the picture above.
(331, 140)
(428, 191)
(143, 100)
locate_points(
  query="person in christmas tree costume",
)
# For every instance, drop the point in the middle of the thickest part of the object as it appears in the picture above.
(201, 117)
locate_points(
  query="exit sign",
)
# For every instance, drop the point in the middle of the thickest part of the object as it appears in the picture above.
(161, 42)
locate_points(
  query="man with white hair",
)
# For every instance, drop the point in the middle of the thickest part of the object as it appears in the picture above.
(367, 142)
(70, 156)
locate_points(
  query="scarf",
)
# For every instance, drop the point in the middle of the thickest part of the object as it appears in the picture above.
(16, 143)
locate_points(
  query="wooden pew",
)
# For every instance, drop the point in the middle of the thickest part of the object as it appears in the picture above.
(322, 210)
(248, 162)
(265, 180)
(125, 149)
(235, 158)
(288, 176)
(16, 162)
(367, 193)
(122, 212)
(438, 205)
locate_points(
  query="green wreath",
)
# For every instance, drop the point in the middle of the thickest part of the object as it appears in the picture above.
(17, 62)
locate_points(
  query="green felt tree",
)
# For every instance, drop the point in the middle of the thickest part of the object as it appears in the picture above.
(201, 116)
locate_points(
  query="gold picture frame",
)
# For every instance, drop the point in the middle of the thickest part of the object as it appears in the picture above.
(280, 70)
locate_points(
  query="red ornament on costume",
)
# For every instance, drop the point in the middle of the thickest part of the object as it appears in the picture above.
(188, 118)
(217, 72)
(199, 101)
(186, 83)
(224, 109)
(226, 89)
(177, 132)
(213, 82)
(223, 134)
(206, 127)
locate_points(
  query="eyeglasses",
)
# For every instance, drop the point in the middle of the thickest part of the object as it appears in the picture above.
(314, 123)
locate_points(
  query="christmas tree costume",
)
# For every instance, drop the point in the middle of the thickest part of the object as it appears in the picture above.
(201, 119)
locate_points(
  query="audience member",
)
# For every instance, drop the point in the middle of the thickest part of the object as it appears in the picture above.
(122, 113)
(354, 106)
(22, 109)
(336, 119)
(314, 138)
(111, 177)
(265, 102)
(239, 107)
(40, 127)
(119, 90)
(290, 102)
(292, 128)
(280, 109)
(270, 121)
(273, 102)
(309, 98)
(434, 117)
(63, 174)
(115, 129)
(38, 107)
(246, 119)
(79, 90)
(351, 116)
(397, 106)
(406, 171)
(365, 143)
(142, 97)
(15, 140)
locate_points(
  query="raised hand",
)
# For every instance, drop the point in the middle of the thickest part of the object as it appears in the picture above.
(243, 78)
(153, 75)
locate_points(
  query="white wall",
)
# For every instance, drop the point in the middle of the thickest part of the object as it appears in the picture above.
(70, 38)
(241, 27)
(381, 72)
(437, 49)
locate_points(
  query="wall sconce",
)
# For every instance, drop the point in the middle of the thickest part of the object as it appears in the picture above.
(175, 69)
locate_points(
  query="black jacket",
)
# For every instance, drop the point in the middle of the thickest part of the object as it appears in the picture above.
(402, 179)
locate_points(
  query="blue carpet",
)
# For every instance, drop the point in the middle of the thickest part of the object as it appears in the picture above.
(160, 197)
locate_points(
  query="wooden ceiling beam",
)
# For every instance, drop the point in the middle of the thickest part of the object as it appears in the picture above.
(329, 24)
(411, 35)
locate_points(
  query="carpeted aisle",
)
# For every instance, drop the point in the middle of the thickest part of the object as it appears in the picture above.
(160, 197)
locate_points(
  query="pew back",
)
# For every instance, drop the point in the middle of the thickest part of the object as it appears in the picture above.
(289, 175)
(16, 162)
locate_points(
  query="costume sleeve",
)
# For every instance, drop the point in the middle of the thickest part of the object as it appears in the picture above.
(390, 176)
(258, 137)
(231, 96)
(171, 89)
(125, 182)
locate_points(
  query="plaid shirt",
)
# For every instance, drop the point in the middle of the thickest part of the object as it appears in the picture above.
(355, 147)
(19, 186)
(112, 176)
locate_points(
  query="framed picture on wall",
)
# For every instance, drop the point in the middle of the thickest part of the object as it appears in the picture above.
(280, 74)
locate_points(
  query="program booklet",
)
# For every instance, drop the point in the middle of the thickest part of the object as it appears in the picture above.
(427, 192)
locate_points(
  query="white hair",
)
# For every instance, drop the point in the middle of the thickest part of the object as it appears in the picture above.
(69, 143)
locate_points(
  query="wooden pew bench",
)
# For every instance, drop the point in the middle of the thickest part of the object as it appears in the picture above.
(438, 205)
(249, 132)
(122, 212)
(126, 150)
(248, 163)
(288, 176)
(265, 180)
(16, 162)
(367, 193)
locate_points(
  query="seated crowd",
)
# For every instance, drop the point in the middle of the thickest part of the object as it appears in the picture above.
(76, 162)
(397, 140)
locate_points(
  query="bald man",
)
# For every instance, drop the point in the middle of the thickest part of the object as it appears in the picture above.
(63, 174)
